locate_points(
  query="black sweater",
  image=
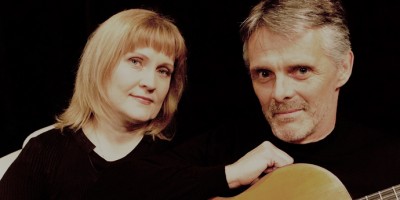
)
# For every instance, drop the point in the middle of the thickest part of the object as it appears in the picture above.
(57, 165)
(364, 159)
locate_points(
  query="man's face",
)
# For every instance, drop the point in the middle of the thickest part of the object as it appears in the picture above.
(296, 84)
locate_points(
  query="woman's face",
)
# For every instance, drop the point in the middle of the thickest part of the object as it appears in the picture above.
(139, 84)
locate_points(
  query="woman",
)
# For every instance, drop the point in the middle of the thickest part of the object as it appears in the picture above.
(130, 79)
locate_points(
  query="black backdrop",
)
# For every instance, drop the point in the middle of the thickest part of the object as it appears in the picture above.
(41, 41)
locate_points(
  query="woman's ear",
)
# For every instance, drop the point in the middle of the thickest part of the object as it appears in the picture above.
(345, 69)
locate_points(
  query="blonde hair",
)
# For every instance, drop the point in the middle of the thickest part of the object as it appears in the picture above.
(291, 17)
(121, 33)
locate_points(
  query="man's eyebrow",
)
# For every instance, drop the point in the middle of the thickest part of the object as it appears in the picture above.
(258, 67)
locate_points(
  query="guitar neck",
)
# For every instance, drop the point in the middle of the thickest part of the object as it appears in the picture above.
(387, 194)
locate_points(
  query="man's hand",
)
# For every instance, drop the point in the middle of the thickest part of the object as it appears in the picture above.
(264, 158)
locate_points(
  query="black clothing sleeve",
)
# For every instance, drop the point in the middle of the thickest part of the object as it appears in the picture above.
(26, 177)
(52, 165)
(152, 179)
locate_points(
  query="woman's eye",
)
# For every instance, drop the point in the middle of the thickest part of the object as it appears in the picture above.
(135, 62)
(164, 71)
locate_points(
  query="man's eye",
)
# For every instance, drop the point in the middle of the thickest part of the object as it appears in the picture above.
(262, 75)
(303, 70)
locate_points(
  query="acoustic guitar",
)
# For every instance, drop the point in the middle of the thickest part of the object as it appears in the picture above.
(303, 181)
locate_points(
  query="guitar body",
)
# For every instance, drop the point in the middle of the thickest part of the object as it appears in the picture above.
(297, 181)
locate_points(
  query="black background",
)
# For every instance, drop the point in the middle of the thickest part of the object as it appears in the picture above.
(41, 41)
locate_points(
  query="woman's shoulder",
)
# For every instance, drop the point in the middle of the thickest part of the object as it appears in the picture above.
(51, 134)
(50, 139)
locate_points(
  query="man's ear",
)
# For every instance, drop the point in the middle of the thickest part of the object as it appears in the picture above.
(345, 69)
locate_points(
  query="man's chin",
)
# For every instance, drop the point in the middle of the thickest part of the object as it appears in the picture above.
(288, 135)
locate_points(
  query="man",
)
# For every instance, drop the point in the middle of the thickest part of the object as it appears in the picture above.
(299, 55)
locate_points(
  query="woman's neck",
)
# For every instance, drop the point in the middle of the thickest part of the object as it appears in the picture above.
(112, 141)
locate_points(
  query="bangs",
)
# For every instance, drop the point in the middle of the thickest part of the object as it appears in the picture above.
(157, 35)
